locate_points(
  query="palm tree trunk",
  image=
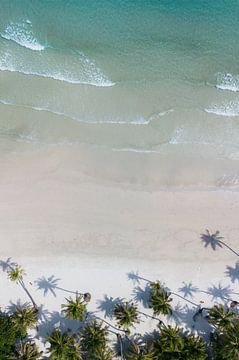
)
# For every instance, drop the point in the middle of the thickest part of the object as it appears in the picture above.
(229, 248)
(28, 294)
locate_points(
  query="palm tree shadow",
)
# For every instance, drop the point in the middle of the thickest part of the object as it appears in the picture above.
(182, 315)
(186, 315)
(219, 292)
(19, 304)
(233, 272)
(107, 305)
(43, 313)
(215, 241)
(56, 320)
(188, 290)
(7, 264)
(134, 276)
(142, 295)
(50, 284)
(136, 279)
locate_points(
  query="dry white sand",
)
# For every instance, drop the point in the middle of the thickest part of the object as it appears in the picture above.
(84, 234)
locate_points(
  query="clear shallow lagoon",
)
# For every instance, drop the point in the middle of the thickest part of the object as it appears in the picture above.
(153, 85)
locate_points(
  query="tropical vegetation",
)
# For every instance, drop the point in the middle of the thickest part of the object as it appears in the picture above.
(96, 338)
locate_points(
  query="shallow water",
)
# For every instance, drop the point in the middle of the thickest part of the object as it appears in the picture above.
(152, 85)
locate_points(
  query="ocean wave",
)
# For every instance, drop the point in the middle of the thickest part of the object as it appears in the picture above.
(228, 82)
(137, 121)
(22, 34)
(227, 109)
(77, 69)
(135, 150)
(185, 136)
(177, 136)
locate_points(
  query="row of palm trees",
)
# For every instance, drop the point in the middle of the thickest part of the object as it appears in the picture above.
(98, 339)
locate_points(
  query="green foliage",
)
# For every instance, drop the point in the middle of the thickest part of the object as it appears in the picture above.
(169, 345)
(160, 300)
(27, 350)
(75, 309)
(63, 346)
(194, 348)
(126, 315)
(139, 352)
(93, 342)
(94, 339)
(8, 336)
(24, 318)
(225, 342)
(103, 354)
(16, 274)
(221, 317)
(173, 344)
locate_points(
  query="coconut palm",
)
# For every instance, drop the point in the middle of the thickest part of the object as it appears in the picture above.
(126, 315)
(63, 346)
(221, 318)
(27, 350)
(159, 300)
(225, 343)
(215, 240)
(24, 318)
(75, 309)
(94, 338)
(9, 335)
(171, 340)
(194, 348)
(103, 354)
(16, 273)
(169, 345)
(139, 352)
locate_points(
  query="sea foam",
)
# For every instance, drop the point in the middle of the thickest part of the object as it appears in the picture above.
(228, 82)
(226, 109)
(117, 121)
(77, 69)
(22, 34)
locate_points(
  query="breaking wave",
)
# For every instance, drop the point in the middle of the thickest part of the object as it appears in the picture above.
(75, 69)
(227, 109)
(227, 82)
(22, 34)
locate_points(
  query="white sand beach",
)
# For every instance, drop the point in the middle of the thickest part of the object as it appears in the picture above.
(74, 232)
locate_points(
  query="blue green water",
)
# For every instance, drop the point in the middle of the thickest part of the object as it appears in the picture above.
(145, 76)
(128, 40)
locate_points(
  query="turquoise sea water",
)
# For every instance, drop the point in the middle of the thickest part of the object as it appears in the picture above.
(147, 77)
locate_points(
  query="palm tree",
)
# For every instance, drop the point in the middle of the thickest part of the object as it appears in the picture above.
(139, 352)
(103, 354)
(27, 350)
(75, 309)
(94, 339)
(159, 300)
(126, 315)
(9, 335)
(194, 348)
(215, 240)
(63, 346)
(171, 340)
(16, 274)
(221, 318)
(225, 342)
(24, 318)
